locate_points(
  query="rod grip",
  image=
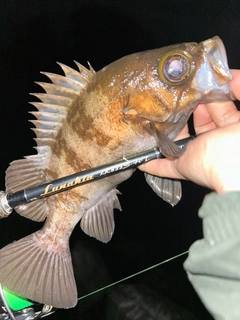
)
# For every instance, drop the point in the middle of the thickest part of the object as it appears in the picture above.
(5, 209)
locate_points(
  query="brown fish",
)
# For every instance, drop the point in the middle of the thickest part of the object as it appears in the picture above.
(89, 118)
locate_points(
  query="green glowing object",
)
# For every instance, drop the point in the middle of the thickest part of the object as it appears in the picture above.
(14, 301)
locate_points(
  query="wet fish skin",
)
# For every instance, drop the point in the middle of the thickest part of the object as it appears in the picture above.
(87, 119)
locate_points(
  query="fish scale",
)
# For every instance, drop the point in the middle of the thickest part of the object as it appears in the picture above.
(87, 118)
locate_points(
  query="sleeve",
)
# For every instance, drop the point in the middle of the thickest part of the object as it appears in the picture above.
(213, 264)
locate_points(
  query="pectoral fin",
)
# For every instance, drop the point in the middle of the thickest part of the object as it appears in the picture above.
(166, 146)
(168, 189)
(98, 221)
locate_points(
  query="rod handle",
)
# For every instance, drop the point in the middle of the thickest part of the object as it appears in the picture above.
(5, 209)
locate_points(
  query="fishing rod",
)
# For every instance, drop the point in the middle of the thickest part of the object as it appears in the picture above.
(9, 201)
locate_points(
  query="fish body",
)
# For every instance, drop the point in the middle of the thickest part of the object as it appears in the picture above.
(86, 119)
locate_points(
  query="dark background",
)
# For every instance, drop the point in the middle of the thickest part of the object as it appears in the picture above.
(36, 34)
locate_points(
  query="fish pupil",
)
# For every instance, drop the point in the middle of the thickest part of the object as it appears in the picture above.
(176, 68)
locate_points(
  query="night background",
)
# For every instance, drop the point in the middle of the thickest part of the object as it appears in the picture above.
(36, 34)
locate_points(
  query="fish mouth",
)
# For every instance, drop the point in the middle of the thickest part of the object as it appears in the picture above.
(212, 78)
(217, 57)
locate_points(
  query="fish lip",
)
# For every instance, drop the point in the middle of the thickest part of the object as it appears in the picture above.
(218, 95)
(216, 55)
(214, 73)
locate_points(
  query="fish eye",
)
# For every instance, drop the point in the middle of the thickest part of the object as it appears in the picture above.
(174, 67)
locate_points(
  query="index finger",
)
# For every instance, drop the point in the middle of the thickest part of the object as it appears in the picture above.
(215, 114)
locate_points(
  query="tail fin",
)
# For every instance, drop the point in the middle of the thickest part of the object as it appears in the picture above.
(37, 274)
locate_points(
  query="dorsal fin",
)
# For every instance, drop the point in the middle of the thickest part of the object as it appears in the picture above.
(52, 111)
(55, 103)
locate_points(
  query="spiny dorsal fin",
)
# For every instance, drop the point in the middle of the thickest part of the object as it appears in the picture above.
(55, 103)
(58, 90)
(52, 111)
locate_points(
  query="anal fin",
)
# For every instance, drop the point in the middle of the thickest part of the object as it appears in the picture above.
(169, 190)
(98, 221)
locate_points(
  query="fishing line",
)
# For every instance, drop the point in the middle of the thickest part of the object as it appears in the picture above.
(133, 275)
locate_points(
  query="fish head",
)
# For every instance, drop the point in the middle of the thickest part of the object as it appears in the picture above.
(177, 78)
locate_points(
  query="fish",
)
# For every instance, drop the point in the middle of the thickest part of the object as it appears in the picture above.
(85, 119)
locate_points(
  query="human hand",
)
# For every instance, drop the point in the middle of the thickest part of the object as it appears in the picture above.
(213, 158)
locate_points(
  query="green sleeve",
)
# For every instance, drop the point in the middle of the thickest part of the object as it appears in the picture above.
(213, 264)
